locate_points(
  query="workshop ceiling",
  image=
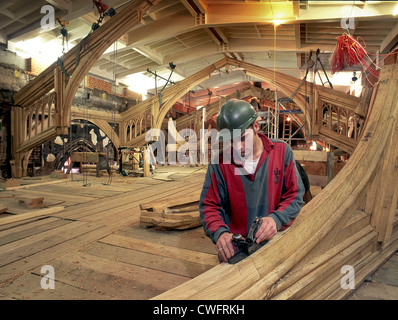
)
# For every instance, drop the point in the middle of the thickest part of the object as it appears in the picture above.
(193, 34)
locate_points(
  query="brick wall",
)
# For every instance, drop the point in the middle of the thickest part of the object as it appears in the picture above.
(391, 59)
(35, 67)
(132, 95)
(99, 84)
(95, 83)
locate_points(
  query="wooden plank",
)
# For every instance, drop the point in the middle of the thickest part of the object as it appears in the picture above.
(384, 209)
(27, 287)
(147, 260)
(367, 266)
(30, 229)
(79, 238)
(303, 155)
(172, 213)
(130, 199)
(192, 197)
(334, 276)
(112, 278)
(193, 239)
(35, 185)
(33, 214)
(338, 140)
(96, 229)
(336, 260)
(28, 246)
(68, 198)
(161, 249)
(299, 276)
(31, 202)
(3, 208)
(170, 221)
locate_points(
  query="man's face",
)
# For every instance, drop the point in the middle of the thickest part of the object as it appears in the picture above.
(243, 145)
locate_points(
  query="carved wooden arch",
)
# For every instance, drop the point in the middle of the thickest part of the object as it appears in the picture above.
(119, 25)
(172, 94)
(65, 75)
(285, 83)
(79, 60)
(106, 128)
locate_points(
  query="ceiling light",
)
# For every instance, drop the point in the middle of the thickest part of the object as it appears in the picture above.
(278, 22)
(395, 12)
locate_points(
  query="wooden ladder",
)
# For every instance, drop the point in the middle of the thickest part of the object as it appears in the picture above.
(287, 128)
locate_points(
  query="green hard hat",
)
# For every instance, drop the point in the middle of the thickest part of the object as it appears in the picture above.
(236, 114)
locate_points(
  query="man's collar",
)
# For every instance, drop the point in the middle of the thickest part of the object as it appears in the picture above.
(267, 143)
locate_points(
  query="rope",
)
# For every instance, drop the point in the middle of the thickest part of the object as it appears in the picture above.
(61, 65)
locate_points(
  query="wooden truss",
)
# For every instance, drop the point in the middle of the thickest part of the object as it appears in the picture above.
(63, 78)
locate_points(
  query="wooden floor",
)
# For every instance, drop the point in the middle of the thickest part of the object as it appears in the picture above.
(92, 237)
(95, 243)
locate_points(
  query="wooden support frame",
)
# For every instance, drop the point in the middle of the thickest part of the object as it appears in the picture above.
(286, 84)
(76, 62)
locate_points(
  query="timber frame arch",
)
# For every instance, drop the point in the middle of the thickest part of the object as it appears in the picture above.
(105, 127)
(160, 105)
(64, 76)
(286, 84)
(310, 104)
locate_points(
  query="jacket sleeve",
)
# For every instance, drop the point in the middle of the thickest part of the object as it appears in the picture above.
(212, 204)
(292, 193)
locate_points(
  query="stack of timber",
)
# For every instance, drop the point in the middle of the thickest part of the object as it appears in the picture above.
(351, 222)
(32, 202)
(319, 166)
(172, 213)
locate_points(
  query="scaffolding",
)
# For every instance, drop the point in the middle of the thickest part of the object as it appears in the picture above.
(270, 120)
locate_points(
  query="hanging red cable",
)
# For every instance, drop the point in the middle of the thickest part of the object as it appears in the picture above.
(350, 52)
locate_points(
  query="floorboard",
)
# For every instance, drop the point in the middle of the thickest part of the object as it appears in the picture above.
(96, 244)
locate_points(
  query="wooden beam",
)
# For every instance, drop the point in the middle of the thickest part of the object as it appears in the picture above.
(28, 215)
(161, 29)
(390, 40)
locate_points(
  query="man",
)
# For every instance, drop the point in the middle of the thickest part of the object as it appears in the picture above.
(260, 179)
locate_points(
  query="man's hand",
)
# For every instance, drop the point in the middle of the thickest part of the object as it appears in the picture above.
(225, 247)
(267, 229)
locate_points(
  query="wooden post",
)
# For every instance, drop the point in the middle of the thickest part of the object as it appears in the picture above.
(136, 160)
(146, 159)
(330, 166)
